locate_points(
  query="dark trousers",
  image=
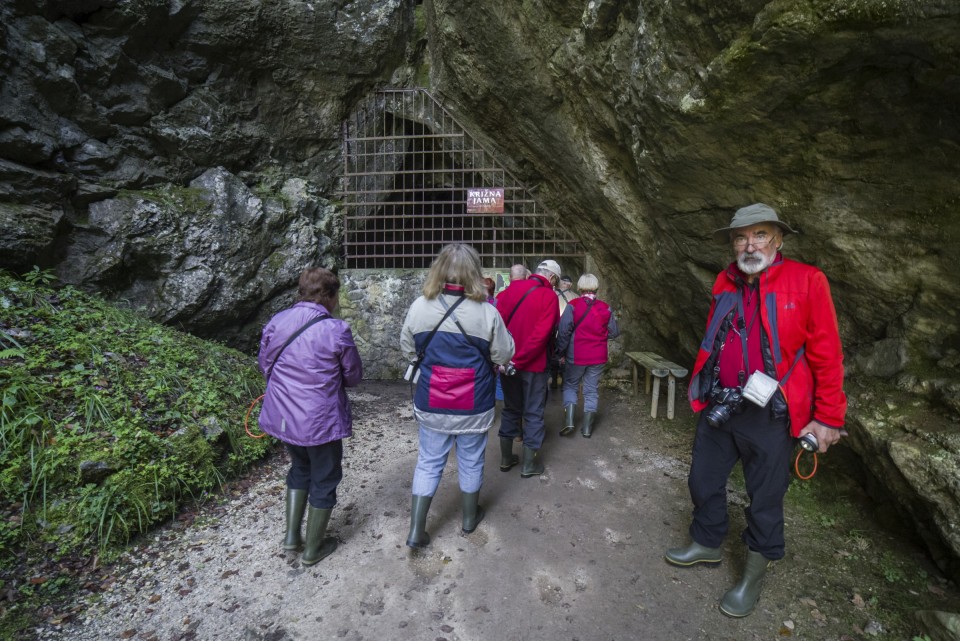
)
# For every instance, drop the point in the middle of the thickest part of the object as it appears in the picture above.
(524, 398)
(316, 468)
(764, 447)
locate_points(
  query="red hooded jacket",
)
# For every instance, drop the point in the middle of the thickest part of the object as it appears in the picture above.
(801, 342)
(534, 322)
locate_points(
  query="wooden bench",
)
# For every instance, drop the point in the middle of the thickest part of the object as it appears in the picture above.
(656, 367)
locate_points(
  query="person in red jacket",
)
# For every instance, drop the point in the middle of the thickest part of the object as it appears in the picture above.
(529, 308)
(769, 370)
(585, 326)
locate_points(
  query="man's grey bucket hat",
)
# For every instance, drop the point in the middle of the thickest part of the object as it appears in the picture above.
(751, 215)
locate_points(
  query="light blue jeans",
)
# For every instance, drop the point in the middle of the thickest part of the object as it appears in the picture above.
(434, 449)
(590, 374)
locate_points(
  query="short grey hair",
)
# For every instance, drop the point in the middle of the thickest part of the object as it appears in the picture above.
(588, 283)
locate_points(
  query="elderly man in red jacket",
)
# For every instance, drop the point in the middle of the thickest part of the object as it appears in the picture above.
(769, 370)
(530, 311)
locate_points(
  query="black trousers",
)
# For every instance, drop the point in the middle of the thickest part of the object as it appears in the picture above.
(524, 401)
(318, 469)
(764, 447)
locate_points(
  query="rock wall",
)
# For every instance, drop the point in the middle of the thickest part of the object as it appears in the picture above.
(375, 303)
(182, 156)
(114, 113)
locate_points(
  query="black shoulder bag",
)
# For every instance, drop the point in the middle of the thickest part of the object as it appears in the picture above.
(293, 338)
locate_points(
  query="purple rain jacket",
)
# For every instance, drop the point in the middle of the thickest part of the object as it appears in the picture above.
(306, 401)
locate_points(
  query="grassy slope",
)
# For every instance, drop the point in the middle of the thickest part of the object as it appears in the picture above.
(108, 423)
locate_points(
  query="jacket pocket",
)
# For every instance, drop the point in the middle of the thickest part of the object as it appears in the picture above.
(452, 388)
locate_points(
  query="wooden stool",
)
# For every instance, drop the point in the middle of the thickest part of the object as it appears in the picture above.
(656, 367)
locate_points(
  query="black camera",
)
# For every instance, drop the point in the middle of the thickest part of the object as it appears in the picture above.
(509, 369)
(727, 401)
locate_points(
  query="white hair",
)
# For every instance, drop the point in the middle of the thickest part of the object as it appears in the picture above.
(588, 283)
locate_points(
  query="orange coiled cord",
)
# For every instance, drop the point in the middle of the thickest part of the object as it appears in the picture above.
(246, 419)
(796, 465)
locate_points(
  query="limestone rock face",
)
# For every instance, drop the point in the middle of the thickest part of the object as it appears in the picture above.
(181, 154)
(209, 255)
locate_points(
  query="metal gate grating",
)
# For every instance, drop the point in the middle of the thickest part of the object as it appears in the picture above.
(408, 166)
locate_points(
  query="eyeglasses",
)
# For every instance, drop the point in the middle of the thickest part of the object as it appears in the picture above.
(759, 241)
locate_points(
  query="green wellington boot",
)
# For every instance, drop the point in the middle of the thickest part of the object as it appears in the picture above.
(419, 507)
(472, 512)
(317, 546)
(693, 554)
(740, 600)
(568, 428)
(296, 505)
(587, 430)
(507, 458)
(532, 465)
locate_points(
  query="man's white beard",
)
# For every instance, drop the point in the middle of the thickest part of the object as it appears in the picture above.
(753, 262)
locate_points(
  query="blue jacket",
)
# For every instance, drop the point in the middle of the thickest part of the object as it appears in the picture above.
(306, 401)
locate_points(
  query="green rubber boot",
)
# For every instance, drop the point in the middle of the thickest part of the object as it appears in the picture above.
(296, 506)
(532, 465)
(740, 600)
(317, 546)
(587, 430)
(419, 507)
(507, 458)
(472, 512)
(568, 428)
(693, 554)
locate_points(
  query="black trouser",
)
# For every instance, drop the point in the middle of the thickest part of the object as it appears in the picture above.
(524, 398)
(764, 447)
(316, 468)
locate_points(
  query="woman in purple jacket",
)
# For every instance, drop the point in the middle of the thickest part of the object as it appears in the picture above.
(308, 359)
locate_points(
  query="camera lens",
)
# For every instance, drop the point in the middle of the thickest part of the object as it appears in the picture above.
(718, 415)
(809, 442)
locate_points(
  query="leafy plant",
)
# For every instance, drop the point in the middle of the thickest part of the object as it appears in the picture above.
(106, 419)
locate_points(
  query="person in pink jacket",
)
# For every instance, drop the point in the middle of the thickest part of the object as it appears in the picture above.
(309, 359)
(586, 325)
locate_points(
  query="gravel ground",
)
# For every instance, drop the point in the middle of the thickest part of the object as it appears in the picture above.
(575, 554)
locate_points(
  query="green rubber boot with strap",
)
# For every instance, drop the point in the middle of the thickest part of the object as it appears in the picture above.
(296, 505)
(418, 537)
(587, 430)
(532, 464)
(569, 410)
(741, 599)
(318, 546)
(507, 458)
(472, 512)
(693, 554)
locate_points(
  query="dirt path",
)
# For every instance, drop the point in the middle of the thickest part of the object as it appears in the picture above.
(573, 555)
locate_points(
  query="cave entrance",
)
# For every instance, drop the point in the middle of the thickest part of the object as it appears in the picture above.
(415, 180)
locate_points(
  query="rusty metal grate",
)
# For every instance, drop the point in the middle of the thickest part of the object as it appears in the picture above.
(408, 170)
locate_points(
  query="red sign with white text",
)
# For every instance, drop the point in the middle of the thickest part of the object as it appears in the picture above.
(485, 201)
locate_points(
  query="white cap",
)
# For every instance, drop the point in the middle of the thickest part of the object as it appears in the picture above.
(550, 266)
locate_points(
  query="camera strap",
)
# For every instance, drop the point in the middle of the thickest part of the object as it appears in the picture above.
(297, 333)
(423, 351)
(744, 329)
